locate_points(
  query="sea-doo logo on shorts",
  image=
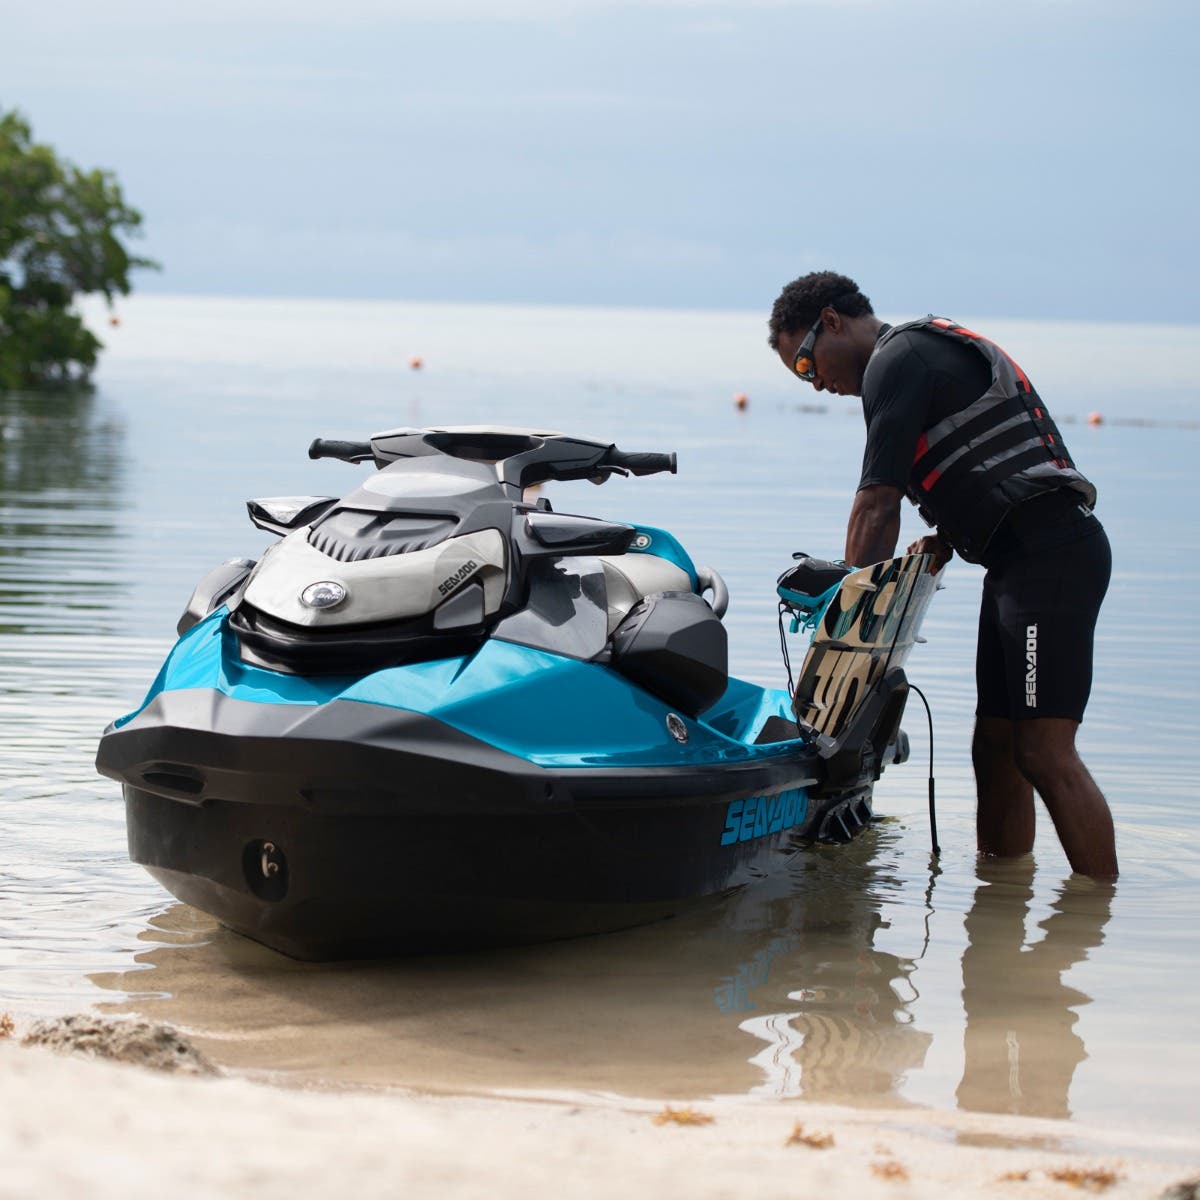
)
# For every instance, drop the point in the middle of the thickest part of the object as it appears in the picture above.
(760, 815)
(1031, 666)
(465, 571)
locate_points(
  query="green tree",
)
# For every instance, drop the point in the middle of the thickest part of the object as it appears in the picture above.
(61, 235)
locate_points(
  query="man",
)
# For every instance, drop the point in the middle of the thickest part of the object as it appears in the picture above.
(955, 424)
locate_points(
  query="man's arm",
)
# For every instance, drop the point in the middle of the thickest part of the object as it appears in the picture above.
(874, 524)
(896, 393)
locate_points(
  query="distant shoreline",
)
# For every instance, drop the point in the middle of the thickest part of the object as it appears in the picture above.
(147, 290)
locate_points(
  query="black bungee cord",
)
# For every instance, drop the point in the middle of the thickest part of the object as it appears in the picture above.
(933, 837)
(783, 646)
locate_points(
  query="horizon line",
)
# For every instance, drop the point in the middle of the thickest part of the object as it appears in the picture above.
(581, 306)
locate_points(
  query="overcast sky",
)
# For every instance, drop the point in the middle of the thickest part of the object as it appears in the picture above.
(991, 157)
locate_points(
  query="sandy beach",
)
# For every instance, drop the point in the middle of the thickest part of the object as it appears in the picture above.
(73, 1124)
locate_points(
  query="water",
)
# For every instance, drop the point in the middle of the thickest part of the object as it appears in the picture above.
(863, 975)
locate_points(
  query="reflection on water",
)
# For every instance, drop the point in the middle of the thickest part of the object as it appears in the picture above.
(60, 488)
(845, 1031)
(676, 1009)
(67, 893)
(804, 1003)
(1021, 1045)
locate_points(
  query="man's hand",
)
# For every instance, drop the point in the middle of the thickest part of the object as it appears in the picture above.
(932, 544)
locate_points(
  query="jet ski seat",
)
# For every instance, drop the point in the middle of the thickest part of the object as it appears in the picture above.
(630, 578)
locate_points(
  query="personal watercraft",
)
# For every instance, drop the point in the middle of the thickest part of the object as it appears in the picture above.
(438, 714)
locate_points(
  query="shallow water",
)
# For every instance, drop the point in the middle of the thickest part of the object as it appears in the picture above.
(861, 975)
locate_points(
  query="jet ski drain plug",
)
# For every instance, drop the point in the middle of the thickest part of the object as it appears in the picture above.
(265, 868)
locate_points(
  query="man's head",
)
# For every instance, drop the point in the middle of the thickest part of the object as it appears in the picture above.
(826, 315)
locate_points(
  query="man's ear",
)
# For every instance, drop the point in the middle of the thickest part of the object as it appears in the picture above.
(831, 319)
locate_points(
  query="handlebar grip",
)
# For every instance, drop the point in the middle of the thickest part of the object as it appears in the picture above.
(347, 451)
(642, 464)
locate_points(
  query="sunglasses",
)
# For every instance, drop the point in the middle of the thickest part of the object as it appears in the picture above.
(804, 365)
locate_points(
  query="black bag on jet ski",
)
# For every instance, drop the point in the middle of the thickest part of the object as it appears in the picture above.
(674, 645)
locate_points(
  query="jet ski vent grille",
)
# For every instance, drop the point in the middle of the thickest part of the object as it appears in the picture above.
(351, 536)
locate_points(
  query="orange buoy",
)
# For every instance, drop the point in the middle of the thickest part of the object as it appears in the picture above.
(1094, 418)
(741, 401)
(416, 362)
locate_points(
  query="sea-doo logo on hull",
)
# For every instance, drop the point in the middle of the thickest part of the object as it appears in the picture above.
(1031, 666)
(464, 572)
(761, 815)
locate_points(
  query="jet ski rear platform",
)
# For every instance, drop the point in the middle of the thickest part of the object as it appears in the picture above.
(561, 753)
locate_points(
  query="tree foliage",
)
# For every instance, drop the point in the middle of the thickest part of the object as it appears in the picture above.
(61, 231)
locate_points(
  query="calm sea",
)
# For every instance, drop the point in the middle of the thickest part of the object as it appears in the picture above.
(863, 975)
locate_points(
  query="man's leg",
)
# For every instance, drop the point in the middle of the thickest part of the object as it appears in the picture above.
(1044, 751)
(1036, 628)
(1004, 820)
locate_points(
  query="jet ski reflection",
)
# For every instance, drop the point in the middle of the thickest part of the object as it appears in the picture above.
(636, 1013)
(848, 1033)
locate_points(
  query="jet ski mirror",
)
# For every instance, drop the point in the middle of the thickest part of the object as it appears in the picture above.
(562, 534)
(282, 514)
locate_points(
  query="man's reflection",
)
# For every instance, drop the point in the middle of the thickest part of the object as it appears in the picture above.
(1021, 1046)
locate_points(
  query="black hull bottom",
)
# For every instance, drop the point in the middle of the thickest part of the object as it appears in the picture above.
(328, 929)
(321, 888)
(349, 831)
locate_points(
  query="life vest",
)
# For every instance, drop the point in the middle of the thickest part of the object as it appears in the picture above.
(972, 468)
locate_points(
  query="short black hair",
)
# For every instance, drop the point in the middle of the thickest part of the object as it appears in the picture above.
(799, 304)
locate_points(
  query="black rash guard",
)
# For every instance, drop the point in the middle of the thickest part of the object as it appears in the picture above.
(914, 382)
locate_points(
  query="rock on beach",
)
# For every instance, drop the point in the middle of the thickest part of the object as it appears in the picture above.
(143, 1043)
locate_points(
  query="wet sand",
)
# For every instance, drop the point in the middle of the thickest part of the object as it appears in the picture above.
(78, 1126)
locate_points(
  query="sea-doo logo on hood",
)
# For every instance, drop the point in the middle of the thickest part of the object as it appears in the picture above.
(464, 572)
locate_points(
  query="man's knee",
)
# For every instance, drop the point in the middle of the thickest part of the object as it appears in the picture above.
(1044, 750)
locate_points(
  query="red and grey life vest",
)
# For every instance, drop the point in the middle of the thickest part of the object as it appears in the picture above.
(972, 468)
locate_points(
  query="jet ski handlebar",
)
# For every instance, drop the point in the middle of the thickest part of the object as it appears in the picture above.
(526, 458)
(351, 452)
(641, 464)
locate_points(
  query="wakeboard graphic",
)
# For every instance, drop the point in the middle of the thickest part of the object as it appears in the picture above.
(868, 628)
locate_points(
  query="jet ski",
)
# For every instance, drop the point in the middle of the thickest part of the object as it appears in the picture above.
(438, 714)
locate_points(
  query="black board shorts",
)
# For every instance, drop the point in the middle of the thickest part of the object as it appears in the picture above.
(1037, 623)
